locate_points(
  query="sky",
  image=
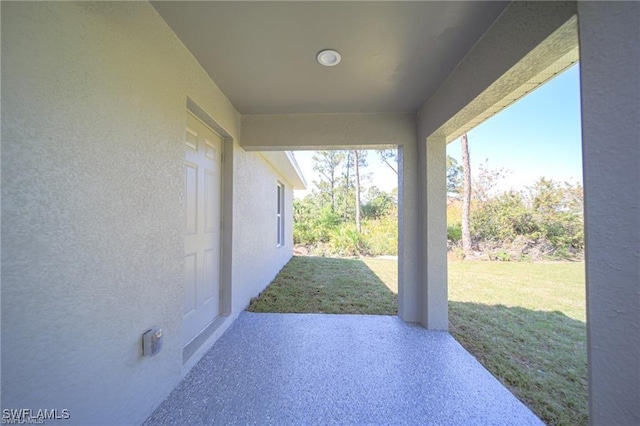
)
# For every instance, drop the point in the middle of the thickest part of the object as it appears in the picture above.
(538, 136)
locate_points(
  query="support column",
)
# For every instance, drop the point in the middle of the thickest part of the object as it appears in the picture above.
(409, 260)
(610, 89)
(434, 297)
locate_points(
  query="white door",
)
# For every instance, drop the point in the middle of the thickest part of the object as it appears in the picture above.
(202, 175)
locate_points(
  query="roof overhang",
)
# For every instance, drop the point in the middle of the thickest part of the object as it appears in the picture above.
(285, 163)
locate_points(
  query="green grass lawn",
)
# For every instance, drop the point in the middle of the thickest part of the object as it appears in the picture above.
(327, 285)
(525, 322)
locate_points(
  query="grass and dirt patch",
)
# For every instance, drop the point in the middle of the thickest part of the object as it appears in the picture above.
(525, 322)
(327, 285)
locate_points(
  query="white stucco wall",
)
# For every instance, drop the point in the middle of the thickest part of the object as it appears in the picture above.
(93, 113)
(610, 99)
(256, 254)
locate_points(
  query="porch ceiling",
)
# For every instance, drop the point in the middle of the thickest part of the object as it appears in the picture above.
(262, 54)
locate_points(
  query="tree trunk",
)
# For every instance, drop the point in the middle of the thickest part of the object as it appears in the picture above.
(357, 172)
(346, 187)
(333, 191)
(466, 197)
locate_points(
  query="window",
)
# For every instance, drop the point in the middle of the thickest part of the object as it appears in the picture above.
(280, 215)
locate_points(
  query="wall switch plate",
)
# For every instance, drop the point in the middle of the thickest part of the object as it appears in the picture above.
(152, 342)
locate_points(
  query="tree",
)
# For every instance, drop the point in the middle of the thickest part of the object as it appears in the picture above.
(390, 158)
(549, 196)
(347, 184)
(466, 197)
(327, 164)
(484, 185)
(359, 160)
(377, 203)
(454, 177)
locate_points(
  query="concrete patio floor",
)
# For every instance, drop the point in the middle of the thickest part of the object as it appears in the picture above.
(338, 369)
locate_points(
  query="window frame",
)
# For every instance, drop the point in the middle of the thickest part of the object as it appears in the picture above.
(280, 214)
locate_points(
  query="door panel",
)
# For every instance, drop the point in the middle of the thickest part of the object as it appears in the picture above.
(190, 268)
(203, 179)
(210, 271)
(211, 201)
(191, 197)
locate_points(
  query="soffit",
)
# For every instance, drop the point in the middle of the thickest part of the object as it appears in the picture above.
(285, 163)
(394, 54)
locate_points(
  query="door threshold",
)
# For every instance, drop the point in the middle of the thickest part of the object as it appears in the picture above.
(195, 343)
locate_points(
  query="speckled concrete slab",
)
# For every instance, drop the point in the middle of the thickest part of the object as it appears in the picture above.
(338, 369)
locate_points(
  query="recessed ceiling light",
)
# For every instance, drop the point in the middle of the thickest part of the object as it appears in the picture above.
(329, 58)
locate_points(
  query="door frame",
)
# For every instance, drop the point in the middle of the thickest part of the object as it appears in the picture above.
(226, 240)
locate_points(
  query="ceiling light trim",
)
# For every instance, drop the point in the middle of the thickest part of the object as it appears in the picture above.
(329, 57)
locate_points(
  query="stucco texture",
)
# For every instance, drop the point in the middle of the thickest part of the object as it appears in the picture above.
(610, 89)
(256, 254)
(93, 114)
(319, 131)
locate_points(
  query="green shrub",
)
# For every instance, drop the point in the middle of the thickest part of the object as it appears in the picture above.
(379, 205)
(507, 217)
(381, 236)
(326, 223)
(312, 227)
(454, 232)
(346, 241)
(454, 212)
(502, 218)
(304, 233)
(503, 256)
